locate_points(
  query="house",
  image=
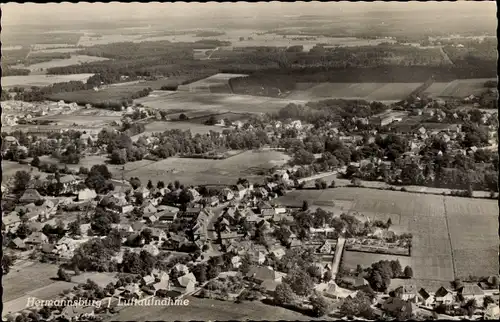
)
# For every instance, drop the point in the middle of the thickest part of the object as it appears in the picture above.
(425, 298)
(472, 292)
(36, 238)
(181, 268)
(229, 235)
(185, 284)
(492, 312)
(326, 248)
(192, 212)
(150, 209)
(194, 195)
(295, 243)
(227, 194)
(48, 248)
(69, 183)
(148, 280)
(163, 284)
(17, 243)
(158, 234)
(86, 194)
(123, 227)
(278, 252)
(166, 216)
(30, 195)
(407, 292)
(241, 191)
(258, 257)
(259, 274)
(212, 201)
(11, 220)
(150, 218)
(131, 290)
(443, 296)
(236, 261)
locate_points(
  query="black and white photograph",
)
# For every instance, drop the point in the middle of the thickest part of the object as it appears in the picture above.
(239, 161)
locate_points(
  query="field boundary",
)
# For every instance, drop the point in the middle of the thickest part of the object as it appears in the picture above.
(449, 238)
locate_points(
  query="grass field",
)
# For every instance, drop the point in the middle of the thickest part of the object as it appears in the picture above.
(205, 171)
(439, 225)
(459, 88)
(195, 128)
(74, 60)
(210, 310)
(41, 80)
(88, 121)
(221, 103)
(115, 92)
(29, 279)
(58, 50)
(366, 91)
(204, 85)
(350, 259)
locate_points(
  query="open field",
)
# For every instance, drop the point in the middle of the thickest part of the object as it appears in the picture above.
(210, 310)
(58, 50)
(116, 92)
(206, 171)
(220, 80)
(80, 120)
(443, 242)
(221, 103)
(41, 80)
(28, 279)
(458, 88)
(74, 60)
(156, 127)
(9, 169)
(366, 91)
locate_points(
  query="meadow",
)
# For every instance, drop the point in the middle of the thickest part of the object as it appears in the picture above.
(155, 127)
(205, 171)
(444, 245)
(459, 88)
(74, 60)
(41, 80)
(219, 103)
(204, 85)
(366, 91)
(209, 309)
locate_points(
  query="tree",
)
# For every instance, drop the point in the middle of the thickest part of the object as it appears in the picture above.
(301, 283)
(63, 276)
(397, 270)
(305, 205)
(327, 276)
(119, 156)
(7, 262)
(408, 272)
(135, 182)
(488, 300)
(212, 120)
(356, 182)
(457, 284)
(83, 171)
(160, 185)
(35, 162)
(21, 180)
(183, 117)
(332, 184)
(320, 305)
(150, 185)
(359, 306)
(283, 294)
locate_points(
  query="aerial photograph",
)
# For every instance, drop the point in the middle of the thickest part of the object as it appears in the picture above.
(236, 161)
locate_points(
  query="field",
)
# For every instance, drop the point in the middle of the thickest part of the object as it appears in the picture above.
(9, 168)
(206, 84)
(88, 121)
(457, 88)
(28, 279)
(116, 92)
(205, 171)
(366, 91)
(218, 103)
(444, 246)
(74, 60)
(58, 50)
(155, 127)
(209, 310)
(41, 80)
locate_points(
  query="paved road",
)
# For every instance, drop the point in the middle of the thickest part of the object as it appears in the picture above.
(337, 257)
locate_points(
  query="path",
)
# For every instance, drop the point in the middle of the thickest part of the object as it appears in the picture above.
(445, 56)
(338, 255)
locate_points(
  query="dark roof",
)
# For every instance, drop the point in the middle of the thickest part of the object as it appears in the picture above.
(423, 293)
(31, 195)
(441, 292)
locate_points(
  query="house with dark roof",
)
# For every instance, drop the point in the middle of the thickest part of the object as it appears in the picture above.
(192, 212)
(425, 298)
(30, 195)
(166, 216)
(36, 238)
(443, 296)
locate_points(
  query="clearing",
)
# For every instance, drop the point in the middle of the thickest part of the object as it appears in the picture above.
(215, 82)
(459, 88)
(41, 80)
(74, 60)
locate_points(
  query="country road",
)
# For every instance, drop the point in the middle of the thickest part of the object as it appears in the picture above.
(338, 255)
(445, 56)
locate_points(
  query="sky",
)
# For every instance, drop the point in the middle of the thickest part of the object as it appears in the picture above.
(13, 13)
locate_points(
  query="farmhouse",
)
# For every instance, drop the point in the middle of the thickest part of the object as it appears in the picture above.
(86, 194)
(30, 195)
(472, 292)
(425, 298)
(407, 292)
(443, 296)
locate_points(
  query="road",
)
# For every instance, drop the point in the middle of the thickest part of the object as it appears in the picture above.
(337, 257)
